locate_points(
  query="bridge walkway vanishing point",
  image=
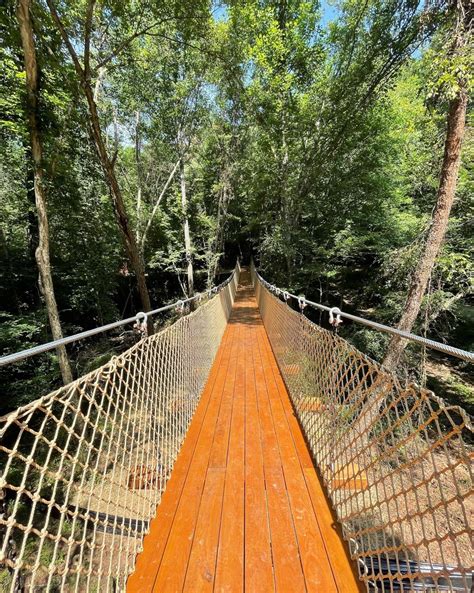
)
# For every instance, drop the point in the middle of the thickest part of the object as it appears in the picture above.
(244, 508)
(180, 465)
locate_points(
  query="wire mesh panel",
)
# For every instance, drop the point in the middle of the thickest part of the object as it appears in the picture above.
(84, 467)
(396, 461)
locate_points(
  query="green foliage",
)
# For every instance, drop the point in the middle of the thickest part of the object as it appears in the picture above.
(5, 580)
(455, 389)
(316, 147)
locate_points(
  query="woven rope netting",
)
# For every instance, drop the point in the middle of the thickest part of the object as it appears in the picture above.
(84, 467)
(396, 461)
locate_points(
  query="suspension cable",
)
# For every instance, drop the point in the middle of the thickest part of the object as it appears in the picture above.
(445, 348)
(28, 353)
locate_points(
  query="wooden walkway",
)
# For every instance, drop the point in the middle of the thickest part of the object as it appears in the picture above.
(244, 509)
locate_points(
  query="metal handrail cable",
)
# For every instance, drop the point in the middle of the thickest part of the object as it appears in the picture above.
(445, 348)
(29, 352)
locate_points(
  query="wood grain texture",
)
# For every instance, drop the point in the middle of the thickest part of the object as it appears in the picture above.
(244, 509)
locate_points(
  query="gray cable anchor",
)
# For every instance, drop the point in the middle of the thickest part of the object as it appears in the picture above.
(180, 307)
(301, 303)
(286, 296)
(141, 324)
(335, 317)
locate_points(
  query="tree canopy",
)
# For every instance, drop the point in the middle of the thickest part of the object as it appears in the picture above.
(308, 134)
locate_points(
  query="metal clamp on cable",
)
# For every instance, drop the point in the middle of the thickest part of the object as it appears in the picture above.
(301, 303)
(180, 307)
(335, 316)
(141, 324)
(286, 296)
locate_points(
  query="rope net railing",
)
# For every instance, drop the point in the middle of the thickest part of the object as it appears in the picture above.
(396, 461)
(83, 468)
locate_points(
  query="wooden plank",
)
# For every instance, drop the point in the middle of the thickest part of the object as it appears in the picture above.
(220, 445)
(172, 570)
(311, 404)
(349, 477)
(316, 565)
(258, 560)
(285, 552)
(244, 509)
(300, 443)
(343, 570)
(292, 369)
(149, 559)
(202, 560)
(270, 449)
(230, 559)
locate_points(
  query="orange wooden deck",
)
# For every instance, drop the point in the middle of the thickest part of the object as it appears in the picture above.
(244, 509)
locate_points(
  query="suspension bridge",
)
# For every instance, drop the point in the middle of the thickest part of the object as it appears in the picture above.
(242, 448)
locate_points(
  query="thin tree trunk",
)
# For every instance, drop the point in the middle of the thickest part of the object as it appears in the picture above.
(139, 212)
(98, 83)
(139, 174)
(218, 243)
(439, 223)
(107, 163)
(119, 205)
(187, 235)
(456, 123)
(32, 232)
(42, 251)
(116, 136)
(157, 203)
(216, 246)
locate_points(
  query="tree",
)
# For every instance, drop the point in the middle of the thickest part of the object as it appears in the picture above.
(198, 136)
(108, 163)
(455, 128)
(43, 250)
(186, 232)
(172, 111)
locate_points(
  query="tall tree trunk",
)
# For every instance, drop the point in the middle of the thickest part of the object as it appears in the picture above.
(107, 163)
(216, 245)
(32, 232)
(119, 205)
(98, 83)
(187, 235)
(117, 198)
(456, 122)
(139, 174)
(155, 207)
(42, 251)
